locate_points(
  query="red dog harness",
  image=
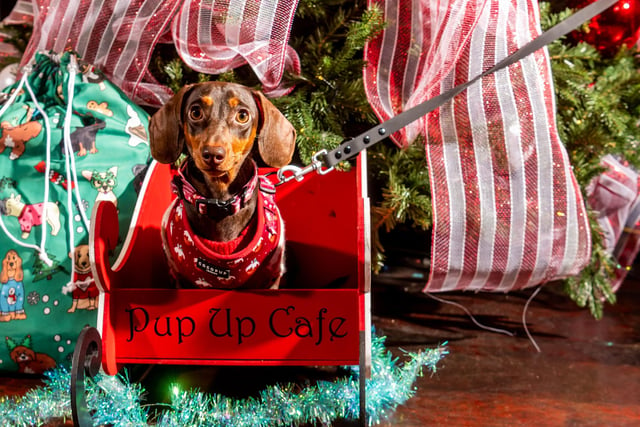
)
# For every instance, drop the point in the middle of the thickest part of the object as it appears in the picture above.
(253, 260)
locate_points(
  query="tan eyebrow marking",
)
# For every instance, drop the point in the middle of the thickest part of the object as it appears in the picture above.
(207, 100)
(233, 102)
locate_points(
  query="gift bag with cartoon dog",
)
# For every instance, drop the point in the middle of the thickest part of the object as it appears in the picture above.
(68, 138)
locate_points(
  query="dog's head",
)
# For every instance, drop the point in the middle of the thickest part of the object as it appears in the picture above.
(105, 181)
(81, 260)
(13, 205)
(11, 267)
(21, 354)
(217, 124)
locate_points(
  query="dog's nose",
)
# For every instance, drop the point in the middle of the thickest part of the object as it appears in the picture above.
(213, 156)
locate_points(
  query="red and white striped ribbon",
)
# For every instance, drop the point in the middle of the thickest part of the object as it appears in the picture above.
(628, 245)
(118, 36)
(611, 194)
(615, 196)
(508, 213)
(215, 36)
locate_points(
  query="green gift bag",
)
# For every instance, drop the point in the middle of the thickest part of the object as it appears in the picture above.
(69, 138)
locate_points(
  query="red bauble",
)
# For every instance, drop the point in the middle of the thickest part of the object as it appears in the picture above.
(616, 26)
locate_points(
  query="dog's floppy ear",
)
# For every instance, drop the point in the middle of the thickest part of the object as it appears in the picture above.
(276, 136)
(166, 137)
(19, 272)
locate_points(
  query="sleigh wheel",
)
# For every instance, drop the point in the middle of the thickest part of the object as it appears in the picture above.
(87, 357)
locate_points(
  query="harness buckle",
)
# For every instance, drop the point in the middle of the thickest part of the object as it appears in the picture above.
(215, 207)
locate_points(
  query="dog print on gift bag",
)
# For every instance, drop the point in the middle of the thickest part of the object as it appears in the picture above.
(90, 74)
(83, 288)
(28, 361)
(83, 139)
(11, 288)
(16, 137)
(31, 215)
(102, 108)
(104, 183)
(136, 130)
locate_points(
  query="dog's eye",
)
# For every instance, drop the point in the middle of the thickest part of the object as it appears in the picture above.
(196, 113)
(242, 116)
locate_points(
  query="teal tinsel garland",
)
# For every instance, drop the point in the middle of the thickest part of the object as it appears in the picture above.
(118, 402)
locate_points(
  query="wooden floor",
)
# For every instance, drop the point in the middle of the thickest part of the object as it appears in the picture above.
(586, 374)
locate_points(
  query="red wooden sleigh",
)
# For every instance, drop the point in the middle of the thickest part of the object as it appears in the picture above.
(319, 316)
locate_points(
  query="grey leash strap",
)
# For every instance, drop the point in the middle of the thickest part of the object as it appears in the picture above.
(324, 161)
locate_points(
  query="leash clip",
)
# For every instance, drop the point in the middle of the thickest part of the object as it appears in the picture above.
(290, 172)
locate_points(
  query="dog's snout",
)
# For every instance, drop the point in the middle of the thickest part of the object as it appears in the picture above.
(214, 156)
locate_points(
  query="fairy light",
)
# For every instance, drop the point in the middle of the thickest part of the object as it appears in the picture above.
(175, 390)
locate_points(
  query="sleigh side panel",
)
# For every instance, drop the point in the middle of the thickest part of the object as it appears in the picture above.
(325, 229)
(140, 262)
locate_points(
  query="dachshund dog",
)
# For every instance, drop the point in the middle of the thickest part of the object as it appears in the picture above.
(83, 139)
(224, 229)
(11, 288)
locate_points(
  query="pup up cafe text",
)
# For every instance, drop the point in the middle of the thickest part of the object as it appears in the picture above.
(188, 326)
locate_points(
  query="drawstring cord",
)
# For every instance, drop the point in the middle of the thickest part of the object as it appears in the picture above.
(70, 165)
(72, 179)
(42, 254)
(72, 175)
